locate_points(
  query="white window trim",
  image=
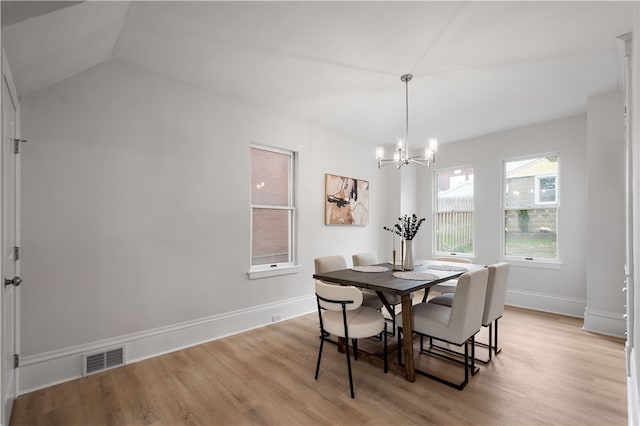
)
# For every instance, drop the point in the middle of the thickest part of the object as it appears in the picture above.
(255, 273)
(532, 262)
(282, 268)
(469, 256)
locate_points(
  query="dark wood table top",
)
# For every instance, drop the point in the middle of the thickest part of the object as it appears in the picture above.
(386, 282)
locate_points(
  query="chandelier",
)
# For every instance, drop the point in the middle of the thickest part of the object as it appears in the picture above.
(401, 154)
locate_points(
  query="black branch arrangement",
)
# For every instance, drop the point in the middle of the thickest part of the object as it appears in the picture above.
(407, 228)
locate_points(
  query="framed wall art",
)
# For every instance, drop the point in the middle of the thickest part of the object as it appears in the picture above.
(346, 200)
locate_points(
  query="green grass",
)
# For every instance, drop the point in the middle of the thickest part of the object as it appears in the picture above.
(543, 247)
(531, 247)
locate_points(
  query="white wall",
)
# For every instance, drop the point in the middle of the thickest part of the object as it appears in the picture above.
(555, 290)
(391, 184)
(605, 214)
(136, 216)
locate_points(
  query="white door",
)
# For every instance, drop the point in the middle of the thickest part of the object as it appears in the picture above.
(10, 255)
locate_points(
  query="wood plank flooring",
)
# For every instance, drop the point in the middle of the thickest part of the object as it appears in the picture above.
(550, 372)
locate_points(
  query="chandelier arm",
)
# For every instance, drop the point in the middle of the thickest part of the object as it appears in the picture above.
(423, 157)
(385, 162)
(421, 161)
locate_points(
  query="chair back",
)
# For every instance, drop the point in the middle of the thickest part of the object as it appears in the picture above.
(328, 293)
(496, 292)
(453, 259)
(364, 259)
(329, 263)
(468, 304)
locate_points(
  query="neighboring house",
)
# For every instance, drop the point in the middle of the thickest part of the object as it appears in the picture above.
(530, 187)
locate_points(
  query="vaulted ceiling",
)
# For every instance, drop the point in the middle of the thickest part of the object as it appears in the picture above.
(479, 67)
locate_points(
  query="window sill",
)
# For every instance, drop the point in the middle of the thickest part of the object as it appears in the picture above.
(273, 272)
(536, 263)
(468, 256)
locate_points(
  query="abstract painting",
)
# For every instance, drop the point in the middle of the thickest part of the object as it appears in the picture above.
(346, 200)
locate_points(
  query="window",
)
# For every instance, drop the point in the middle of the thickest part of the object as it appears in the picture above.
(272, 208)
(545, 189)
(453, 212)
(531, 202)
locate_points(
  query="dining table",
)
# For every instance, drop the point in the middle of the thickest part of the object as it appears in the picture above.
(386, 278)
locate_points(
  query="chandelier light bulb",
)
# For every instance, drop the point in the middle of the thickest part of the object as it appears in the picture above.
(379, 153)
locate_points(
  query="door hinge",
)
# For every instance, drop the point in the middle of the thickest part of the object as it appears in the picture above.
(16, 145)
(16, 254)
(16, 360)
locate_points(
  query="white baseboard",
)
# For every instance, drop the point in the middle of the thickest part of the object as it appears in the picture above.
(50, 368)
(570, 306)
(608, 323)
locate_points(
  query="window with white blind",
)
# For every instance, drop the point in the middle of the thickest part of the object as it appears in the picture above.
(453, 211)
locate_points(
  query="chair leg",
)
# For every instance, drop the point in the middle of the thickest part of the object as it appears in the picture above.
(474, 370)
(386, 363)
(491, 347)
(393, 321)
(495, 344)
(399, 345)
(469, 364)
(466, 365)
(355, 348)
(434, 346)
(319, 354)
(346, 346)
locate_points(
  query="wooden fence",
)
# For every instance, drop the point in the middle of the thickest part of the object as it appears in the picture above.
(454, 225)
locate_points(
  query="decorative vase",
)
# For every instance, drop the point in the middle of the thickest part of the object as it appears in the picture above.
(408, 255)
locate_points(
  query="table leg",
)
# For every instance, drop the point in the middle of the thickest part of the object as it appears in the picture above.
(407, 341)
(426, 294)
(385, 302)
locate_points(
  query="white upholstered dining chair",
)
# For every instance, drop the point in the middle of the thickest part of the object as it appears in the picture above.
(493, 305)
(366, 259)
(448, 286)
(336, 263)
(456, 325)
(341, 314)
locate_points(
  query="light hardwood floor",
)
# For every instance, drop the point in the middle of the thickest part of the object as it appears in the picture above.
(549, 372)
